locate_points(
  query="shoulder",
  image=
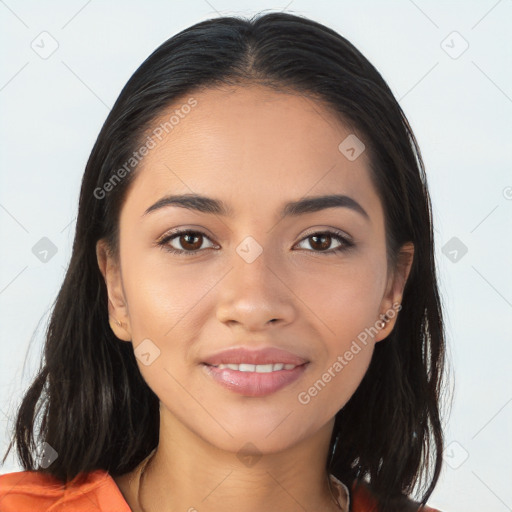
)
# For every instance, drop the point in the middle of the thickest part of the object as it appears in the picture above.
(363, 500)
(35, 491)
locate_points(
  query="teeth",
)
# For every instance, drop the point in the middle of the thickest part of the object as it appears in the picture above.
(258, 368)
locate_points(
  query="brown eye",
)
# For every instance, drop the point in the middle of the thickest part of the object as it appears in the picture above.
(186, 242)
(322, 242)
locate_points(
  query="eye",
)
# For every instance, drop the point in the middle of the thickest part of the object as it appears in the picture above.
(189, 240)
(322, 240)
(192, 240)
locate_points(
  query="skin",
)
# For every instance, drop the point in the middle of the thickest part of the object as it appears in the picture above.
(255, 149)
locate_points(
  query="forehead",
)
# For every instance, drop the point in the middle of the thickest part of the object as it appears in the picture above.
(252, 146)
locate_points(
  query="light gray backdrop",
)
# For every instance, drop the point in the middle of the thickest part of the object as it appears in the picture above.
(450, 66)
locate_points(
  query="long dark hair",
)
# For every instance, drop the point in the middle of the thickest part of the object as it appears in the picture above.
(98, 412)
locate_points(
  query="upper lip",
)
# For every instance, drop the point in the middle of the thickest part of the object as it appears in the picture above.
(267, 355)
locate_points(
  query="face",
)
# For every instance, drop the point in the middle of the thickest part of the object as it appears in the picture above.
(312, 283)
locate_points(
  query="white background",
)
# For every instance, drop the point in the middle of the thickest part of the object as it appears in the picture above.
(459, 105)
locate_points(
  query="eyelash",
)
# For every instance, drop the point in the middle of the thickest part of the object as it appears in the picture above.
(346, 244)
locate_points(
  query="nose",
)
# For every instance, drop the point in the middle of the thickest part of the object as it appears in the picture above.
(255, 295)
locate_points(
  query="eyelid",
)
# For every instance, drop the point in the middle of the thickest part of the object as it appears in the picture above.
(336, 231)
(181, 231)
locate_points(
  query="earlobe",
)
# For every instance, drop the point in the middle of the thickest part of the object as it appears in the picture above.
(117, 308)
(120, 329)
(392, 301)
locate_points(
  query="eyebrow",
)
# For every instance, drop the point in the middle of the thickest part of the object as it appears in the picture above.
(205, 204)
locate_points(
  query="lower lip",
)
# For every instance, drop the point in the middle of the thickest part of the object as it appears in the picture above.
(254, 383)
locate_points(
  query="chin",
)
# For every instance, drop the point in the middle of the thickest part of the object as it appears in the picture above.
(254, 440)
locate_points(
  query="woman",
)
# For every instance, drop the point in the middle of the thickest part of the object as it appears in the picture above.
(250, 319)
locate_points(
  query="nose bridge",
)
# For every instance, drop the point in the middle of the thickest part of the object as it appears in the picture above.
(253, 269)
(254, 293)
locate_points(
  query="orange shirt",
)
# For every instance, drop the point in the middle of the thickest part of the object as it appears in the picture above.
(33, 491)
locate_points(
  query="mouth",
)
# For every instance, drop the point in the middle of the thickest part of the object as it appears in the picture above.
(254, 380)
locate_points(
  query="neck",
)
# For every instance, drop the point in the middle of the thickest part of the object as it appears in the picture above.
(189, 474)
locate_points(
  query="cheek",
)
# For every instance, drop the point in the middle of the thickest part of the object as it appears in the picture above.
(159, 294)
(346, 298)
(347, 309)
(331, 388)
(337, 374)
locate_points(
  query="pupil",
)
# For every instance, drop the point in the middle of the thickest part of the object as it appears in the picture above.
(188, 237)
(324, 245)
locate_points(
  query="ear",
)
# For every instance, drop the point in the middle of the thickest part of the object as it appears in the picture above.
(117, 307)
(392, 300)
